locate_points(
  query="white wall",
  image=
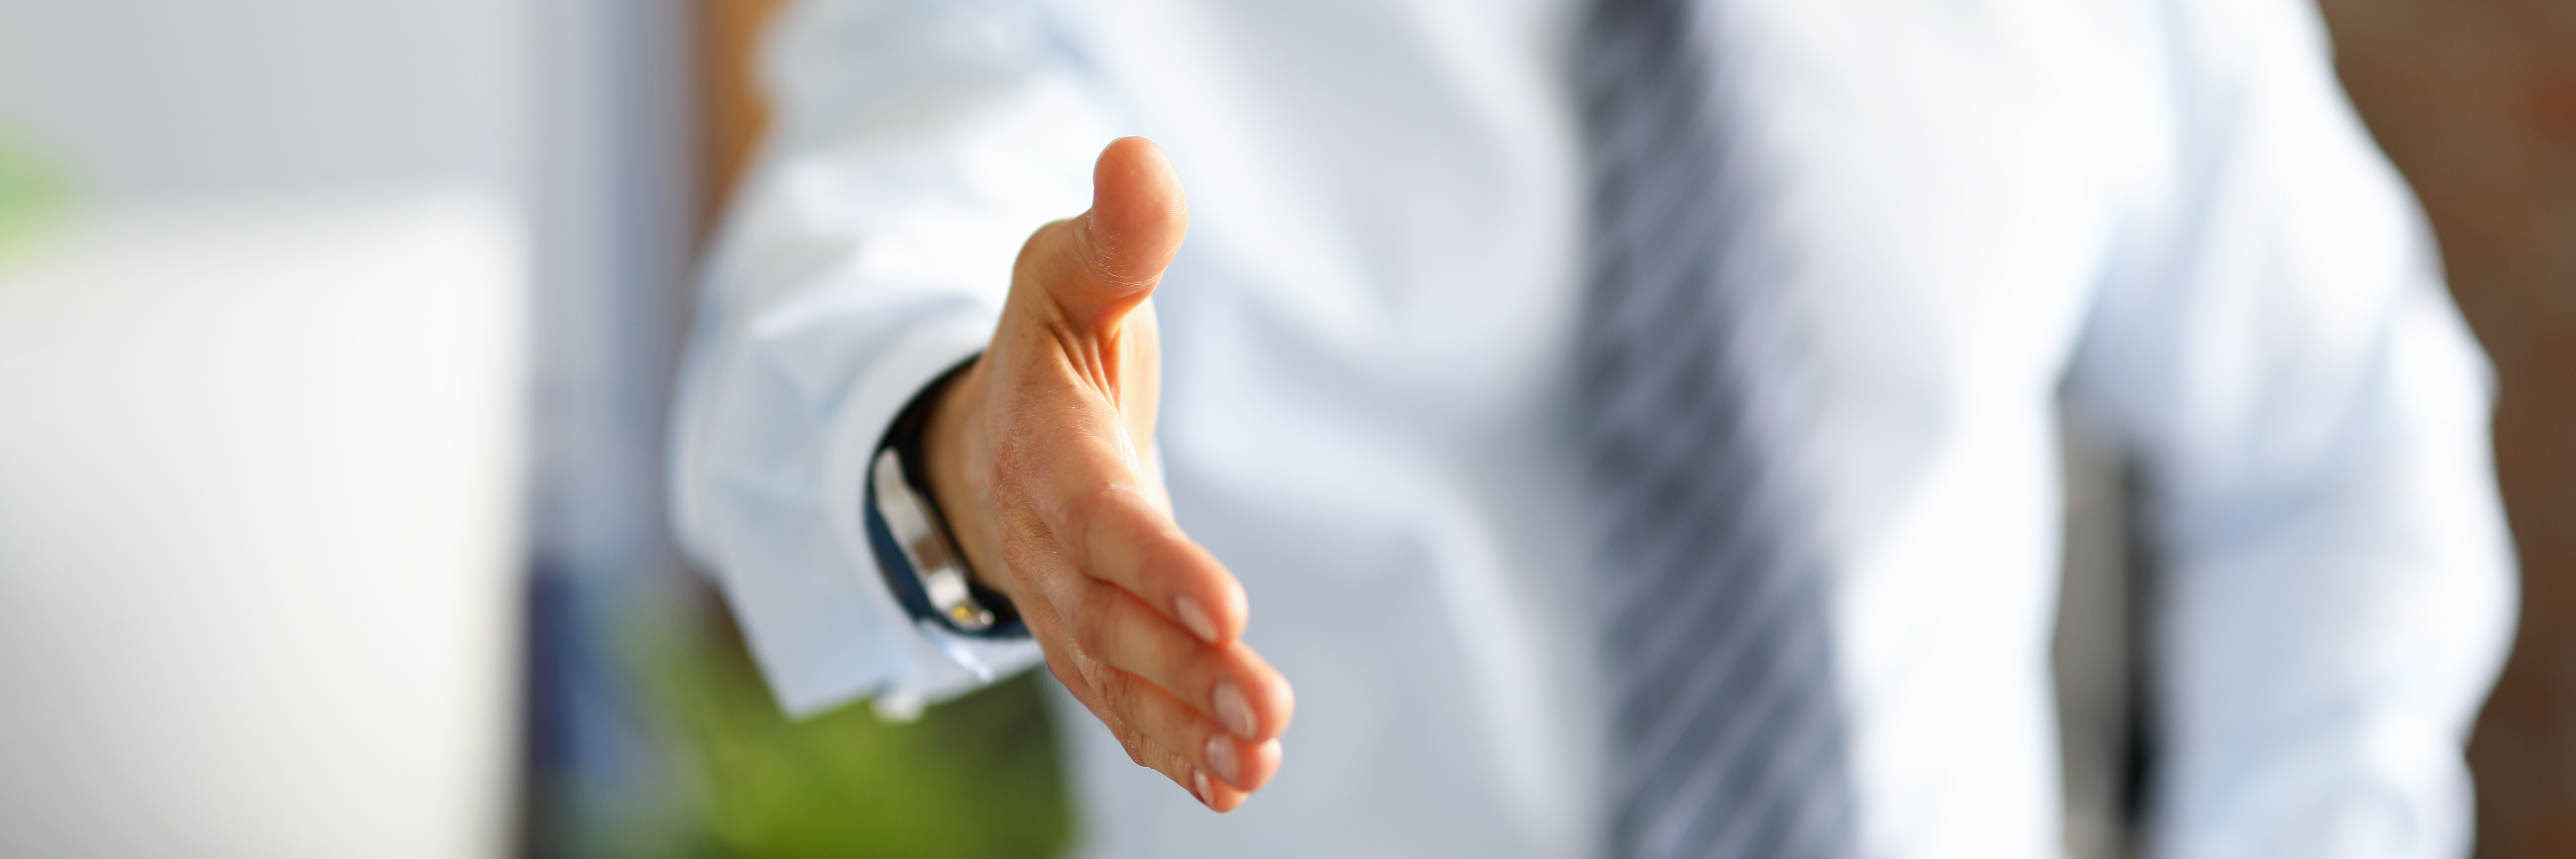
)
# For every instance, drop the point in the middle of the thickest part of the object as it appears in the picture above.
(259, 531)
(262, 420)
(260, 96)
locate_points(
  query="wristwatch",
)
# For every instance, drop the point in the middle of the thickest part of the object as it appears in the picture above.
(915, 549)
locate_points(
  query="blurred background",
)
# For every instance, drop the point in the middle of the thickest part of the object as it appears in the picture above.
(335, 344)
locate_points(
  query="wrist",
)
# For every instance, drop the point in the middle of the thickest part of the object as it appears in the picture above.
(917, 548)
(953, 446)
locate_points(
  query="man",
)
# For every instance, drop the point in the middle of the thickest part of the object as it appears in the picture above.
(1562, 559)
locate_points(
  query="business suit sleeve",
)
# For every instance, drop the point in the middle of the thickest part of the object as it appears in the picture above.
(916, 146)
(2311, 413)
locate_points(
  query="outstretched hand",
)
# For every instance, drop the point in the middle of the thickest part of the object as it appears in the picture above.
(1041, 458)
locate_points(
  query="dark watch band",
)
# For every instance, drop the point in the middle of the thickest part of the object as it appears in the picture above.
(915, 549)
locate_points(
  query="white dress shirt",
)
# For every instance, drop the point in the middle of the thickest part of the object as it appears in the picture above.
(2163, 208)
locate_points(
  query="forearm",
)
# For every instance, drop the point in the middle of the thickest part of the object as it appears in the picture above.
(2323, 659)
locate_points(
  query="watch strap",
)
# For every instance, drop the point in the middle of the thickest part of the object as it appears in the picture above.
(916, 550)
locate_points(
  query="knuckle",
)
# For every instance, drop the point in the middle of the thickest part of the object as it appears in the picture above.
(1094, 620)
(1071, 678)
(1035, 253)
(1118, 690)
(1125, 508)
(1133, 741)
(1093, 675)
(1079, 521)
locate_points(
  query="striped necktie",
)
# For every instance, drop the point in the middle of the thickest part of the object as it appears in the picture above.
(1730, 740)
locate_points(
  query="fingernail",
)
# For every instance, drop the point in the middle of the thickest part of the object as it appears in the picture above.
(1195, 618)
(1234, 710)
(1200, 780)
(1220, 757)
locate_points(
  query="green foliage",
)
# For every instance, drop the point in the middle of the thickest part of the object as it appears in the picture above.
(975, 778)
(32, 188)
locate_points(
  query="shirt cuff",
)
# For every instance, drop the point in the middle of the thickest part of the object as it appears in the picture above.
(942, 664)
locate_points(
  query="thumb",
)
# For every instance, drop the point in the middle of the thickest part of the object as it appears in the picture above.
(1109, 259)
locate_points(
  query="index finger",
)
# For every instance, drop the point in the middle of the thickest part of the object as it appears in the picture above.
(1096, 506)
(1122, 538)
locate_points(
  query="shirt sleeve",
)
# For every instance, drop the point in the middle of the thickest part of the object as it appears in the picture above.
(2311, 414)
(915, 146)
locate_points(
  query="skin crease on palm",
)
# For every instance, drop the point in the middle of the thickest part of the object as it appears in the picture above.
(1035, 460)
